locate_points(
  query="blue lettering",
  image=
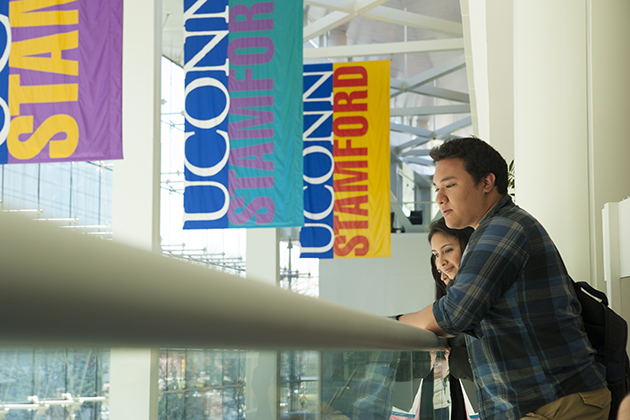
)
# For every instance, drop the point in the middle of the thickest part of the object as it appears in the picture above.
(207, 103)
(317, 236)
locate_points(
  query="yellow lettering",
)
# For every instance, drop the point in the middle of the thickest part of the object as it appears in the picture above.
(21, 13)
(35, 94)
(23, 52)
(31, 147)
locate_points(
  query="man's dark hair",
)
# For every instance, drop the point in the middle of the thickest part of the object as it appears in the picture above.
(480, 159)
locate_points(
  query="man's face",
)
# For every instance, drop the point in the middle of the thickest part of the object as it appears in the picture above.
(460, 199)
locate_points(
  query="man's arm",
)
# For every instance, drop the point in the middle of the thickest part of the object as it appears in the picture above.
(423, 319)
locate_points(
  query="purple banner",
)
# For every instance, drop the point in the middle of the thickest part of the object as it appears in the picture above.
(65, 81)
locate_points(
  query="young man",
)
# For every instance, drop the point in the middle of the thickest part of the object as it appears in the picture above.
(512, 292)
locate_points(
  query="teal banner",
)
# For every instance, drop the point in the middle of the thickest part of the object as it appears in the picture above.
(243, 64)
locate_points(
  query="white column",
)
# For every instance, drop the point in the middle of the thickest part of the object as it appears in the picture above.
(133, 393)
(476, 52)
(263, 260)
(571, 96)
(501, 76)
(551, 123)
(263, 264)
(133, 386)
(489, 65)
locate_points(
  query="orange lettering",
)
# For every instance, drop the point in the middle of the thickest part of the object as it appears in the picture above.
(352, 245)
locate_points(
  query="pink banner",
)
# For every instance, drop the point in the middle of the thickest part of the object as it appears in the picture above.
(65, 81)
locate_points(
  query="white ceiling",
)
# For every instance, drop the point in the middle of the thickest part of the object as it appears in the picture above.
(423, 39)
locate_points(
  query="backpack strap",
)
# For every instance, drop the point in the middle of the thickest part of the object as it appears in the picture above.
(593, 292)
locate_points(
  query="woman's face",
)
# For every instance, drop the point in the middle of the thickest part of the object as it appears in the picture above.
(447, 253)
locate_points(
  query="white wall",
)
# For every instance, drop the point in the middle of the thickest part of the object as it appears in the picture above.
(551, 123)
(609, 102)
(382, 286)
(569, 98)
(616, 232)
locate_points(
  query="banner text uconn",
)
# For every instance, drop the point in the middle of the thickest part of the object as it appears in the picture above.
(228, 126)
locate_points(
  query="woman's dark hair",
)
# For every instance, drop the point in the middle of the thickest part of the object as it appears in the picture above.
(462, 236)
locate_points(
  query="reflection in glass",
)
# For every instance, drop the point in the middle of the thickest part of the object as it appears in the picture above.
(357, 385)
(201, 384)
(299, 382)
(49, 383)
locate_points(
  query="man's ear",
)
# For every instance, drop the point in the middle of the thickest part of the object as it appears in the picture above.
(488, 182)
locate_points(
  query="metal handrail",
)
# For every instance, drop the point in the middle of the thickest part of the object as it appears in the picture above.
(62, 288)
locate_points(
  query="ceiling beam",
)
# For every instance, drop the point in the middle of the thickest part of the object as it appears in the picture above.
(412, 143)
(464, 122)
(362, 6)
(338, 18)
(384, 49)
(397, 83)
(435, 92)
(418, 161)
(416, 152)
(434, 73)
(416, 131)
(325, 24)
(415, 20)
(396, 16)
(430, 110)
(341, 5)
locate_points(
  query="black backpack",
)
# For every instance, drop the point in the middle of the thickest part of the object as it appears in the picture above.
(608, 333)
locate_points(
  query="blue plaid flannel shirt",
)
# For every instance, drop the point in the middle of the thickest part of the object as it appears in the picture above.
(513, 293)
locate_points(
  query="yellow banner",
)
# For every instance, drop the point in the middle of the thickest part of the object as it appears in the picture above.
(362, 156)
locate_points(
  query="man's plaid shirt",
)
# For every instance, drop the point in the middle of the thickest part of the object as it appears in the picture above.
(512, 291)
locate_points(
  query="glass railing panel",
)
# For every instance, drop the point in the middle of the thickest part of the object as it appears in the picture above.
(389, 385)
(56, 383)
(200, 384)
(299, 382)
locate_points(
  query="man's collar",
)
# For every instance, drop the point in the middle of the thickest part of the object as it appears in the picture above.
(504, 201)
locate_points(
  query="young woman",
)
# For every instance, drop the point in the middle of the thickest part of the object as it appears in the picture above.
(447, 247)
